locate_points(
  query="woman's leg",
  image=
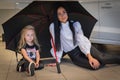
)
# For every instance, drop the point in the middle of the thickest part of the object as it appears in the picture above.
(80, 59)
(105, 58)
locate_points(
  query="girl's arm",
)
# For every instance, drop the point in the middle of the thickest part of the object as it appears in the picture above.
(37, 57)
(24, 53)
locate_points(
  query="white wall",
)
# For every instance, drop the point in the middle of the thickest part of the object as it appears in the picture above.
(6, 14)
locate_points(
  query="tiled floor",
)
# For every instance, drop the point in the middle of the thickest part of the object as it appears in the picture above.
(69, 70)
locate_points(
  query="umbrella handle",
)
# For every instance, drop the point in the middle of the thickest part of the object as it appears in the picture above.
(57, 63)
(16, 56)
(58, 67)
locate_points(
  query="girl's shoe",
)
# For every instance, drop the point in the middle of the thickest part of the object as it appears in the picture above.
(31, 69)
(19, 67)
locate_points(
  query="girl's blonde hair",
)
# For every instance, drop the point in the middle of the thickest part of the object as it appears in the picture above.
(22, 41)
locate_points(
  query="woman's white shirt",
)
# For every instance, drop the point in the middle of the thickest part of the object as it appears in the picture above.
(67, 39)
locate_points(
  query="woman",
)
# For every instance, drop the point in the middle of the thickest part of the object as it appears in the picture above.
(69, 39)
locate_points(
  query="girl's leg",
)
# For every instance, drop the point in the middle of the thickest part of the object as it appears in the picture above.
(20, 65)
(29, 67)
(26, 64)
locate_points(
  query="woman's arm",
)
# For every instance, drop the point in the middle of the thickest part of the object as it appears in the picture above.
(82, 41)
(85, 46)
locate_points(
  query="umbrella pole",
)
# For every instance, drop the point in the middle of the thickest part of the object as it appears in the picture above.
(58, 67)
(57, 63)
(16, 56)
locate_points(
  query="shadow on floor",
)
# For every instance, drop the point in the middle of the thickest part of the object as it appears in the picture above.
(108, 48)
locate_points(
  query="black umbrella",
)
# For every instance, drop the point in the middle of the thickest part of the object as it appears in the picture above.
(40, 15)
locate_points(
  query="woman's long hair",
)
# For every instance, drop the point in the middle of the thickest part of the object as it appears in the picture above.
(57, 28)
(22, 41)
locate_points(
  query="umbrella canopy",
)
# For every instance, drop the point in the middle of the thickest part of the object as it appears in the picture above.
(40, 15)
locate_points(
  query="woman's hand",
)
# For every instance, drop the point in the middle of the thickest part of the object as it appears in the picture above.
(94, 63)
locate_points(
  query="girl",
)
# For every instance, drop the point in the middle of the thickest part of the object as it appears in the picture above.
(69, 39)
(29, 48)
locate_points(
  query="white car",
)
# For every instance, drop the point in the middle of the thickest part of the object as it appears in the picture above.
(107, 12)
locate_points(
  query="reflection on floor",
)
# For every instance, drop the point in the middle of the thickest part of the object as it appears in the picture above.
(69, 70)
